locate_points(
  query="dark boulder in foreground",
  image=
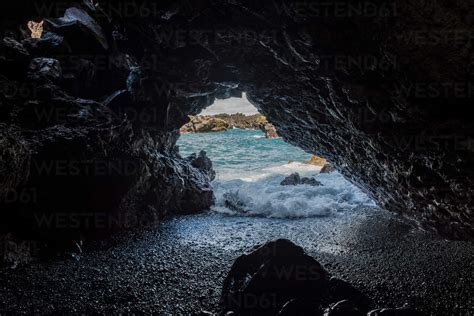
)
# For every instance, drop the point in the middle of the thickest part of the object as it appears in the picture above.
(263, 281)
(279, 278)
(296, 179)
(80, 152)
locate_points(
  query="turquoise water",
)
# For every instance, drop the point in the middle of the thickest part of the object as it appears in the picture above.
(238, 152)
(250, 168)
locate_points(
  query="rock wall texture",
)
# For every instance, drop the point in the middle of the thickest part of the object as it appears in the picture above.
(381, 89)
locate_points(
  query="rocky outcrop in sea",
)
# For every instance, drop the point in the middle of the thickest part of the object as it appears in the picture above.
(223, 122)
(296, 179)
(205, 124)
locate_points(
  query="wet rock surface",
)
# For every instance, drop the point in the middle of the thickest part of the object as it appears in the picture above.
(327, 168)
(203, 163)
(234, 202)
(72, 166)
(280, 278)
(296, 179)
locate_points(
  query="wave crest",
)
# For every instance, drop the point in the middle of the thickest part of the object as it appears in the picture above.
(267, 198)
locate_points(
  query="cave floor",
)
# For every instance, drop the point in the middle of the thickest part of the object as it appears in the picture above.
(179, 266)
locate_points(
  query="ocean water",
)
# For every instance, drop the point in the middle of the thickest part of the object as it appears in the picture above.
(250, 168)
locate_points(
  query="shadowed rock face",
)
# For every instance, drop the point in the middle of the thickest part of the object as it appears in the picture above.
(380, 89)
(279, 278)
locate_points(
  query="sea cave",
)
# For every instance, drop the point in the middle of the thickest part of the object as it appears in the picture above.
(124, 190)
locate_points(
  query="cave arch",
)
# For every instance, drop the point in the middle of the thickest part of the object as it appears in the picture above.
(350, 85)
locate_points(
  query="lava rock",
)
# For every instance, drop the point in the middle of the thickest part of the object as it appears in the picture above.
(81, 77)
(295, 179)
(13, 50)
(262, 281)
(396, 131)
(46, 67)
(341, 290)
(14, 58)
(233, 202)
(203, 313)
(203, 163)
(78, 19)
(49, 43)
(343, 308)
(327, 168)
(299, 307)
(118, 101)
(401, 311)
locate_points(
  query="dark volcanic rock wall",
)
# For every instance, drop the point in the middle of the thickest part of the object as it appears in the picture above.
(380, 88)
(81, 151)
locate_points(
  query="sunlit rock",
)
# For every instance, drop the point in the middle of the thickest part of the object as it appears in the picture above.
(317, 161)
(36, 28)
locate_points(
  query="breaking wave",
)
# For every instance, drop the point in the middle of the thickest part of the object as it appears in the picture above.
(262, 195)
(249, 171)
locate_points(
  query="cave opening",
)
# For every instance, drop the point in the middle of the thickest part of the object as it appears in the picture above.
(136, 226)
(258, 173)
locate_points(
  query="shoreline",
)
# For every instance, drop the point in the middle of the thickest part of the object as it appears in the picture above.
(179, 266)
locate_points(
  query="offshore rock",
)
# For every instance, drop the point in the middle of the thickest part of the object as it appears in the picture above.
(233, 201)
(205, 124)
(317, 161)
(327, 168)
(296, 179)
(223, 122)
(242, 121)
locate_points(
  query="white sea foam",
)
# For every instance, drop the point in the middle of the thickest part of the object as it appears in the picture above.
(261, 194)
(250, 168)
(258, 174)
